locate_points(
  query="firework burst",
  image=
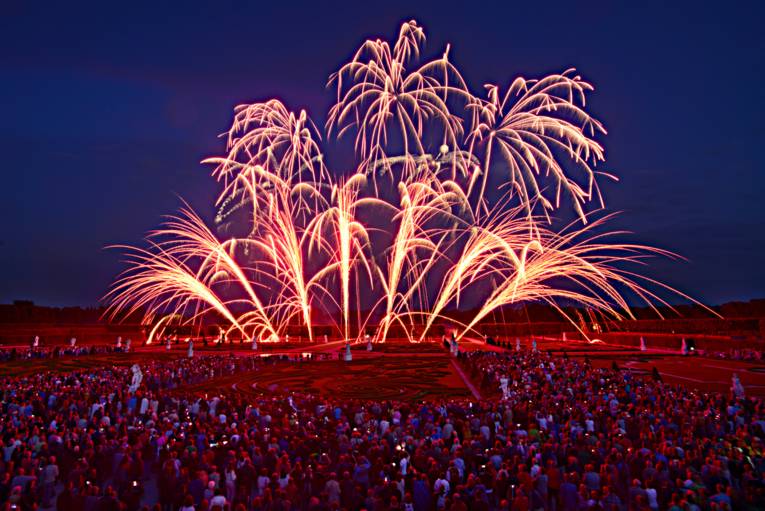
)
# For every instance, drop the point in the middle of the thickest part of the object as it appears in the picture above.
(292, 238)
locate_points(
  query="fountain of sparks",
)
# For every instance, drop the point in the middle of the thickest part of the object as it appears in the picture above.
(292, 239)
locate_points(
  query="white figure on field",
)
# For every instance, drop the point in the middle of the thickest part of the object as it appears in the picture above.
(136, 380)
(326, 340)
(127, 344)
(73, 342)
(533, 345)
(190, 351)
(348, 357)
(368, 338)
(168, 345)
(517, 344)
(564, 337)
(684, 347)
(119, 342)
(642, 344)
(453, 346)
(503, 382)
(737, 388)
(36, 342)
(254, 344)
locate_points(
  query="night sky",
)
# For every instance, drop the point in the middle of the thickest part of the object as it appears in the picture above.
(107, 110)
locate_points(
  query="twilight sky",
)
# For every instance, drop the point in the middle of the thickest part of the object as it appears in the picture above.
(107, 110)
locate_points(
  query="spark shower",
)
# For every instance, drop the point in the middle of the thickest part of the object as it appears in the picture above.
(449, 202)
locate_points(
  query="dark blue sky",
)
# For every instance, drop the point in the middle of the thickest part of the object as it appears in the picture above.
(106, 111)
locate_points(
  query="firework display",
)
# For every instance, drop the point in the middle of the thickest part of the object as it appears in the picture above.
(448, 208)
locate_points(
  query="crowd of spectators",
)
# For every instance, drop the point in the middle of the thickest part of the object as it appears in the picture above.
(41, 352)
(566, 436)
(745, 354)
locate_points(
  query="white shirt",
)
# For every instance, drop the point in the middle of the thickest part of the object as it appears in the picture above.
(651, 495)
(218, 500)
(262, 483)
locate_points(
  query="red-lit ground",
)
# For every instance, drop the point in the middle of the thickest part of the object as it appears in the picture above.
(375, 376)
(401, 370)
